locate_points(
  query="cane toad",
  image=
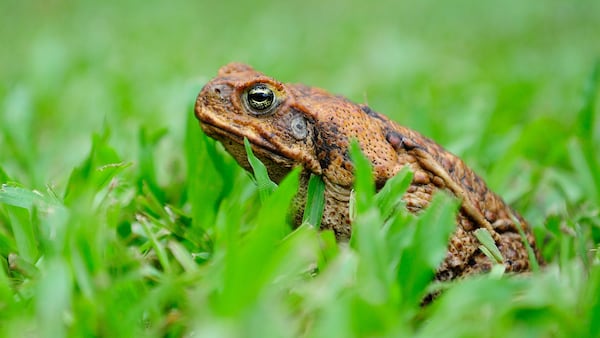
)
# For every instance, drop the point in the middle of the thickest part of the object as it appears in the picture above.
(292, 125)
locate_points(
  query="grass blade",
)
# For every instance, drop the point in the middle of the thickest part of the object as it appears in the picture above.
(19, 197)
(315, 201)
(389, 198)
(488, 247)
(427, 249)
(535, 266)
(265, 185)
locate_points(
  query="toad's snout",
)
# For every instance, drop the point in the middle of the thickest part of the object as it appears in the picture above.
(213, 94)
(220, 91)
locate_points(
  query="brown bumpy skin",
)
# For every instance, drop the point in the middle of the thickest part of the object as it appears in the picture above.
(292, 125)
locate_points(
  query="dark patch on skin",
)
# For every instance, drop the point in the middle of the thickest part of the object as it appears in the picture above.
(371, 112)
(346, 161)
(395, 139)
(409, 144)
(401, 142)
(368, 110)
(380, 182)
(347, 157)
(315, 135)
(466, 184)
(327, 144)
(324, 158)
(348, 165)
(334, 129)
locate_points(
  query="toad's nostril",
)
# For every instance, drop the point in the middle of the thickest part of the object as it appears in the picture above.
(221, 91)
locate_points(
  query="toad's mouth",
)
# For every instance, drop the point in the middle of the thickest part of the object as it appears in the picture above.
(259, 144)
(232, 139)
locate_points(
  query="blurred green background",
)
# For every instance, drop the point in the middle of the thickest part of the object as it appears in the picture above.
(155, 249)
(462, 72)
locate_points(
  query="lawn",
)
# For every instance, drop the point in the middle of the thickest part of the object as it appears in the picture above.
(118, 217)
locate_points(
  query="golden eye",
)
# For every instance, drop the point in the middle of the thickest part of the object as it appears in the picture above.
(260, 99)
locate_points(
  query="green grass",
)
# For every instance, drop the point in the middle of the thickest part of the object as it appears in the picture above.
(118, 217)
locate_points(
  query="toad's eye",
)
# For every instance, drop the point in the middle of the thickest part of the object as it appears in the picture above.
(260, 99)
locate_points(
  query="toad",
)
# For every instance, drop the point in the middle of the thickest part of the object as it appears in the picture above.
(291, 125)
